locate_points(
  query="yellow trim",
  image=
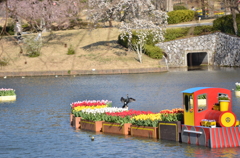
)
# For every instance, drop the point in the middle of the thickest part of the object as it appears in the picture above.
(110, 125)
(189, 115)
(168, 124)
(88, 122)
(142, 128)
(171, 124)
(113, 125)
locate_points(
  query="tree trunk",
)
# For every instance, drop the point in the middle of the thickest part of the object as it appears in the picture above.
(203, 8)
(234, 21)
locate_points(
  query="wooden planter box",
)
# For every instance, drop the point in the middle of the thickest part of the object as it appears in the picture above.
(170, 130)
(91, 125)
(76, 121)
(144, 131)
(8, 98)
(116, 128)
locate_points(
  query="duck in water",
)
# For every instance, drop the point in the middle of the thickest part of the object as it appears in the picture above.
(126, 101)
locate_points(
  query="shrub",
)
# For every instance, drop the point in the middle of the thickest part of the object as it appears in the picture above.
(33, 46)
(172, 34)
(9, 30)
(4, 62)
(225, 24)
(71, 50)
(179, 16)
(179, 7)
(123, 42)
(199, 30)
(153, 51)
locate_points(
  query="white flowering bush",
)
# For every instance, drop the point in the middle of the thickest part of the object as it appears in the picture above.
(140, 16)
(237, 86)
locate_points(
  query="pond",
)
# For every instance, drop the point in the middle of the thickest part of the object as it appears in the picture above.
(37, 123)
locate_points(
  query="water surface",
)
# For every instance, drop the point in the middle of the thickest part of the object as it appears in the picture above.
(37, 123)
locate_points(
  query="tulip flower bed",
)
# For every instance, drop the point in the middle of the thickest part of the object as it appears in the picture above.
(88, 104)
(7, 94)
(150, 120)
(91, 103)
(98, 116)
(172, 115)
(117, 115)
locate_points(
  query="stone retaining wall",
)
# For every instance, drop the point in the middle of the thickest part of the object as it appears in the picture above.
(221, 49)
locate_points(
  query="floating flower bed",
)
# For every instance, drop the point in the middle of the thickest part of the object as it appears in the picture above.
(7, 94)
(170, 124)
(77, 107)
(237, 91)
(98, 116)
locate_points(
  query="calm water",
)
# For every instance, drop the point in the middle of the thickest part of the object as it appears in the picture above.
(37, 123)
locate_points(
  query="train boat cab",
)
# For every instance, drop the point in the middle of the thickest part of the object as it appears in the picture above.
(208, 118)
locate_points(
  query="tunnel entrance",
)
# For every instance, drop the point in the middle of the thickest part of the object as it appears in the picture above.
(197, 59)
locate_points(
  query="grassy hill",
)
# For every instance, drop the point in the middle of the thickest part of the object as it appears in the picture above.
(94, 49)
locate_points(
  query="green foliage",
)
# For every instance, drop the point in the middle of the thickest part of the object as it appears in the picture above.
(223, 97)
(172, 117)
(172, 34)
(179, 16)
(146, 122)
(179, 7)
(123, 42)
(9, 30)
(102, 117)
(199, 30)
(153, 51)
(225, 24)
(4, 62)
(71, 50)
(33, 46)
(117, 119)
(7, 92)
(26, 27)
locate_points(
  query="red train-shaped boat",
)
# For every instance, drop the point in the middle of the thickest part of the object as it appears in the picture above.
(209, 121)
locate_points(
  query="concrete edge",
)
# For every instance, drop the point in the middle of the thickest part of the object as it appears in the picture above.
(82, 72)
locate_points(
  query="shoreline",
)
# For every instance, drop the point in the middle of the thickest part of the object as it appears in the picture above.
(82, 72)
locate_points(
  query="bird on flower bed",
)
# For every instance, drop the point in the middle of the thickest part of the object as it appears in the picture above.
(126, 101)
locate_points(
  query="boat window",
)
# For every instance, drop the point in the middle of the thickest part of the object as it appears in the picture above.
(202, 102)
(186, 102)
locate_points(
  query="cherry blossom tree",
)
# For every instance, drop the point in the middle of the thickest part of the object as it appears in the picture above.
(140, 16)
(41, 14)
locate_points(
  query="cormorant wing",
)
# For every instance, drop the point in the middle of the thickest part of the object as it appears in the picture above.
(131, 100)
(122, 100)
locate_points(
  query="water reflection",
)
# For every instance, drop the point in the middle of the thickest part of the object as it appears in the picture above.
(37, 123)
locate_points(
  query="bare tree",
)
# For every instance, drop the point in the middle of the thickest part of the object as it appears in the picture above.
(234, 7)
